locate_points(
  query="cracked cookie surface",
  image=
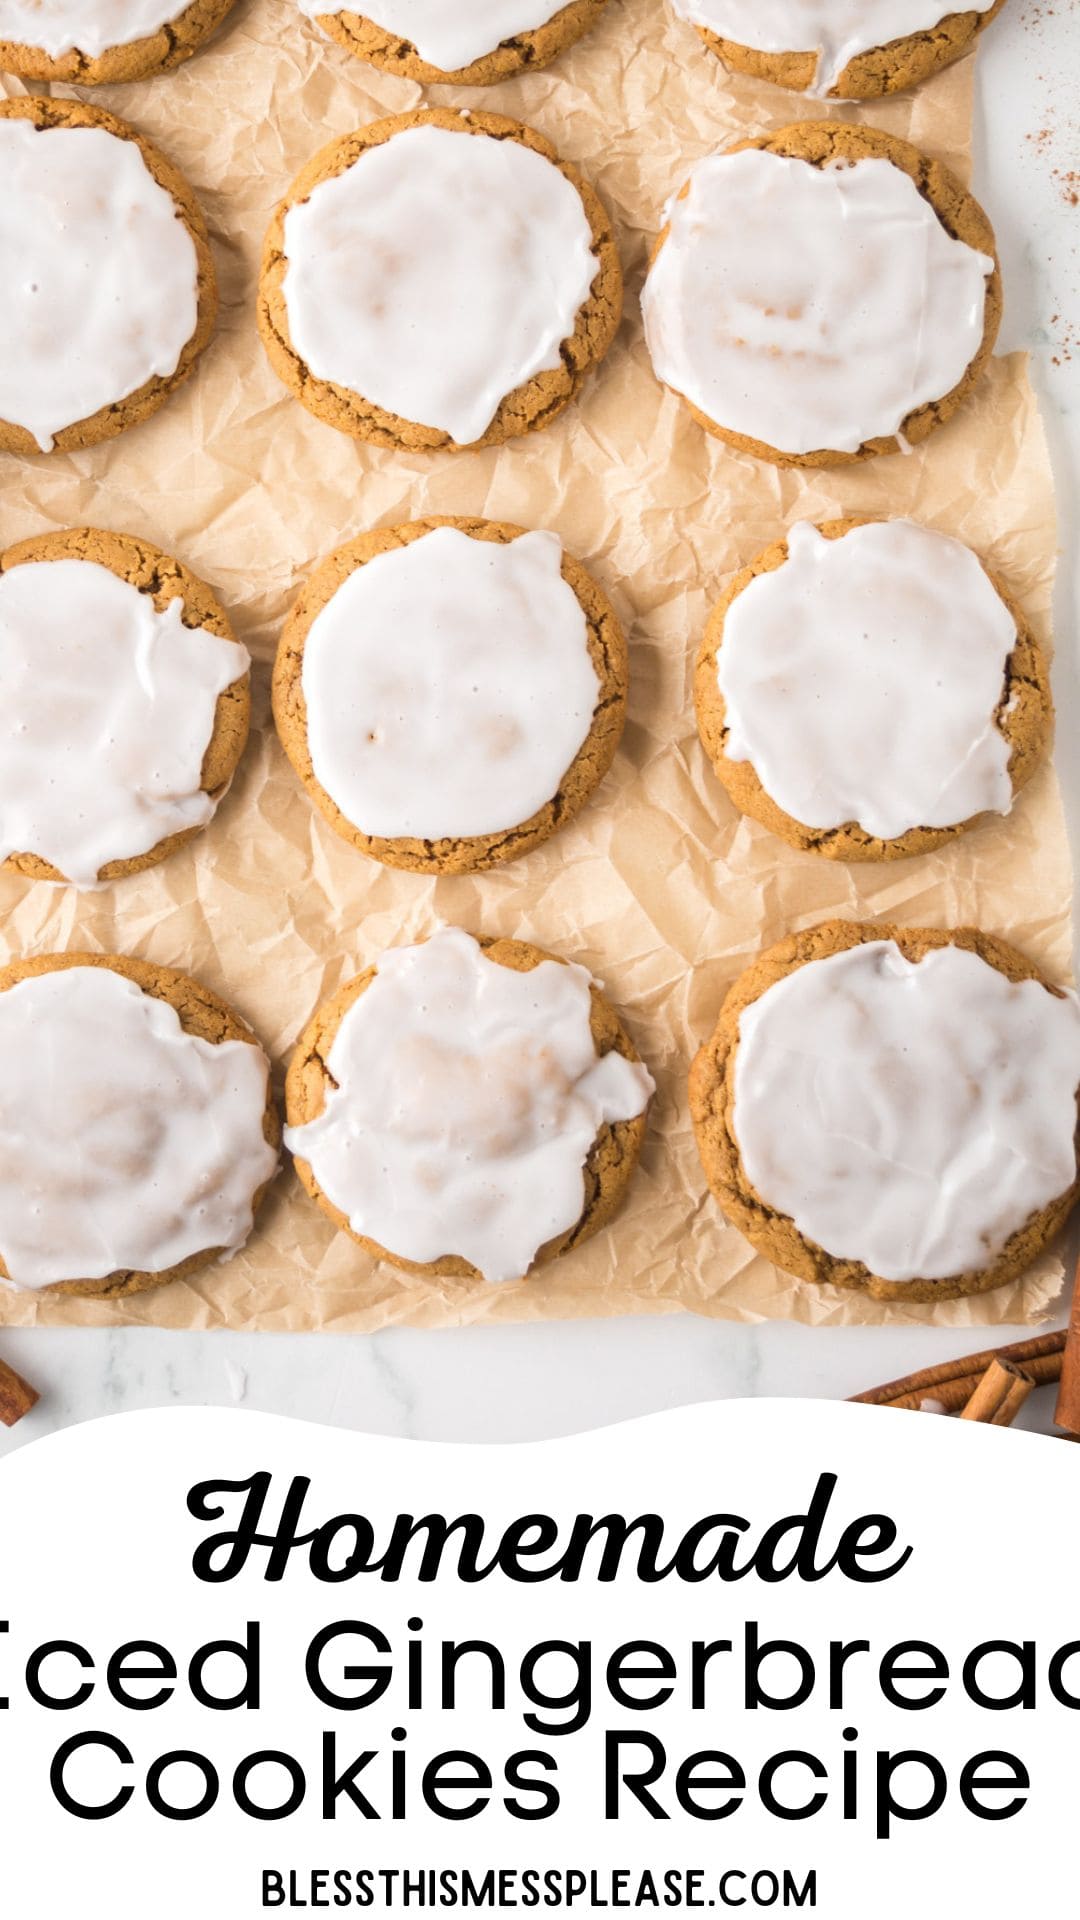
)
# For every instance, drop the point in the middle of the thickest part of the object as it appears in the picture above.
(161, 52)
(892, 68)
(361, 34)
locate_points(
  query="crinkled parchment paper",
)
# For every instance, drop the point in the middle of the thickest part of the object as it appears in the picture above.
(658, 887)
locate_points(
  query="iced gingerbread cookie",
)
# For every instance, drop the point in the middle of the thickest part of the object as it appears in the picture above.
(125, 702)
(450, 692)
(138, 1132)
(98, 42)
(893, 1109)
(109, 290)
(867, 689)
(438, 279)
(858, 320)
(474, 46)
(838, 49)
(467, 1108)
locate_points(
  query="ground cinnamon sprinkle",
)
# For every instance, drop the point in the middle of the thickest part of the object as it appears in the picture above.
(1054, 144)
(1066, 178)
(1066, 340)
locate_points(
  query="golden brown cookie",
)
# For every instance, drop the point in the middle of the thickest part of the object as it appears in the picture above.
(528, 407)
(612, 1158)
(200, 1013)
(164, 579)
(1024, 716)
(607, 651)
(712, 1109)
(892, 68)
(113, 419)
(360, 33)
(818, 142)
(159, 52)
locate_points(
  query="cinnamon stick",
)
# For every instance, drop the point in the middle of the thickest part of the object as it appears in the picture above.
(951, 1382)
(999, 1395)
(17, 1396)
(1067, 1412)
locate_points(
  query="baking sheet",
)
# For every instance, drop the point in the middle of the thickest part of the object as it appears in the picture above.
(659, 886)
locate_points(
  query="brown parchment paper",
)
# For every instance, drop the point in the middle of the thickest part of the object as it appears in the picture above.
(658, 887)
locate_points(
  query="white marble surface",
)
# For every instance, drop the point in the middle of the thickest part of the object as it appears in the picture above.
(518, 1383)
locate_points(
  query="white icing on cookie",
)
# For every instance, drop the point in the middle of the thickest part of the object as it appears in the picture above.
(448, 686)
(438, 274)
(99, 273)
(444, 34)
(853, 307)
(861, 680)
(467, 1098)
(90, 27)
(836, 30)
(106, 711)
(908, 1115)
(125, 1143)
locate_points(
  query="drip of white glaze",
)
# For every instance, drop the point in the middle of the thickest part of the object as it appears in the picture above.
(444, 34)
(836, 30)
(89, 27)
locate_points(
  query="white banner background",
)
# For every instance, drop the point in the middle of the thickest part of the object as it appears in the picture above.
(97, 1546)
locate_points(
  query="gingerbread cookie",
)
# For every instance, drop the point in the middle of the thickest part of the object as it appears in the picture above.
(138, 1129)
(867, 689)
(438, 279)
(96, 43)
(857, 321)
(893, 1109)
(471, 46)
(467, 1109)
(838, 49)
(109, 289)
(450, 692)
(127, 700)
